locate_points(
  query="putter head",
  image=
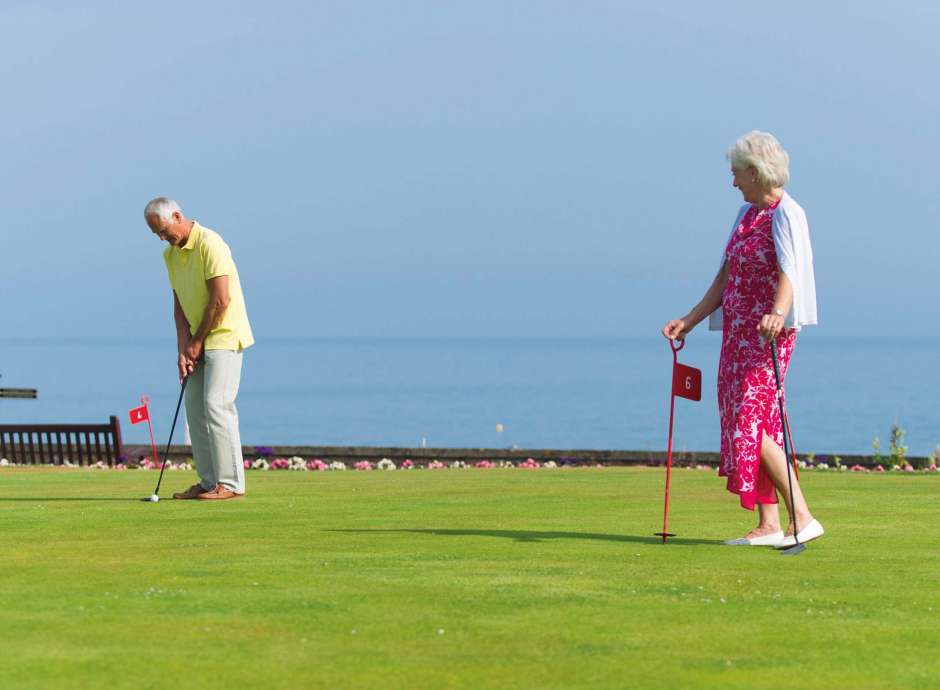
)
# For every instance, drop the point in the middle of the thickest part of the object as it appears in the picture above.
(664, 535)
(794, 550)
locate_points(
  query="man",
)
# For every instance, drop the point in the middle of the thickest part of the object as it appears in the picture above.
(212, 330)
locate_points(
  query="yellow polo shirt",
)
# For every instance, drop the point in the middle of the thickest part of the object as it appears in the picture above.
(205, 255)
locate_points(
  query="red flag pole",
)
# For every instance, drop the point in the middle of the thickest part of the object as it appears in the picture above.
(672, 407)
(145, 400)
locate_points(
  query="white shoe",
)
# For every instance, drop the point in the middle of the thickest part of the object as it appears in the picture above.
(771, 539)
(812, 531)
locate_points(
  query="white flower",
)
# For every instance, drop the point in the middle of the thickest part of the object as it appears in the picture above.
(506, 464)
(550, 465)
(4, 462)
(458, 465)
(337, 465)
(386, 464)
(822, 466)
(260, 464)
(298, 463)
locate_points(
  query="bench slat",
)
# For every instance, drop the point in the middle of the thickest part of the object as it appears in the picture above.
(82, 444)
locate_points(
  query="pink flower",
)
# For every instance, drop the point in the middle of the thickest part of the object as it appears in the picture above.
(879, 468)
(858, 468)
(247, 464)
(317, 465)
(485, 464)
(407, 465)
(908, 468)
(436, 465)
(933, 468)
(529, 464)
(363, 465)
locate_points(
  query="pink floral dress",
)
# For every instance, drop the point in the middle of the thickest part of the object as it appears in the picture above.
(747, 397)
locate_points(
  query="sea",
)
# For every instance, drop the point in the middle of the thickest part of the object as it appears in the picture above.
(560, 393)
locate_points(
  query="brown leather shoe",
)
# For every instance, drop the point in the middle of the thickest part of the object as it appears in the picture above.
(192, 492)
(219, 493)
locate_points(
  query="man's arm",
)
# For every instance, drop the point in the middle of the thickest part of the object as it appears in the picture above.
(218, 302)
(182, 325)
(182, 338)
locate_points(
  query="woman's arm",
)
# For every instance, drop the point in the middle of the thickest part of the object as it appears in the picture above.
(680, 328)
(771, 324)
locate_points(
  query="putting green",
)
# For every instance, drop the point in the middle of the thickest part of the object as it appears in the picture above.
(461, 579)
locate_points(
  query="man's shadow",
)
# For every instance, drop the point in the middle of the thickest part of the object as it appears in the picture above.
(539, 536)
(24, 499)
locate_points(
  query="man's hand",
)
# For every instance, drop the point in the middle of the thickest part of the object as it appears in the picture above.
(188, 358)
(193, 351)
(185, 367)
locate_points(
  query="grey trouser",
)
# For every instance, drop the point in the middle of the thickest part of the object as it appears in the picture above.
(213, 420)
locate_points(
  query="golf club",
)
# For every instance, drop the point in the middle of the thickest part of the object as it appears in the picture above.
(672, 407)
(797, 548)
(156, 492)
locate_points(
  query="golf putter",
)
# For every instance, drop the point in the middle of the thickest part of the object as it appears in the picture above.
(156, 492)
(797, 548)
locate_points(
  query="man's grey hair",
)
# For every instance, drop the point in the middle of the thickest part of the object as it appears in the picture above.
(162, 207)
(761, 151)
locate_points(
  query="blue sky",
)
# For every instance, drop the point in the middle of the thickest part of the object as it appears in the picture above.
(461, 168)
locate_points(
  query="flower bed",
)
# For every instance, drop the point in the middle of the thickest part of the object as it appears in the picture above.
(299, 464)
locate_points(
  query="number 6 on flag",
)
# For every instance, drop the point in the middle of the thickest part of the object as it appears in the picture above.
(687, 382)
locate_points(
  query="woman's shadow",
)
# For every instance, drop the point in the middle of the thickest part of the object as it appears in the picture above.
(538, 536)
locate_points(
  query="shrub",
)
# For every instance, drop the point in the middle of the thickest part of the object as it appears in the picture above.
(897, 447)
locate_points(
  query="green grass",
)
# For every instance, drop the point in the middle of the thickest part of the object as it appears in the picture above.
(461, 579)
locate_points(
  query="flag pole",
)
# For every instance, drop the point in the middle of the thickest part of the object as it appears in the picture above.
(146, 400)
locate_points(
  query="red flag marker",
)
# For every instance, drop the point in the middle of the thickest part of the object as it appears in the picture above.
(686, 383)
(139, 414)
(142, 414)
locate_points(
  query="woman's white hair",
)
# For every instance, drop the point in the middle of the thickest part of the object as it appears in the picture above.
(761, 151)
(162, 207)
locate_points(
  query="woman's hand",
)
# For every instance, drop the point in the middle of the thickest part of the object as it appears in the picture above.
(677, 329)
(770, 326)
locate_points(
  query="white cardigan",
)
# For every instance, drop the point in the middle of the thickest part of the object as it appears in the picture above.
(795, 257)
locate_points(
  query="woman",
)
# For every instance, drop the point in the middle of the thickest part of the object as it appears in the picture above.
(765, 290)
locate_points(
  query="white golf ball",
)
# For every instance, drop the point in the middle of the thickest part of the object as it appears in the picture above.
(154, 498)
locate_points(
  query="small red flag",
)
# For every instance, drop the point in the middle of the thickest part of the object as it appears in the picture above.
(139, 414)
(687, 382)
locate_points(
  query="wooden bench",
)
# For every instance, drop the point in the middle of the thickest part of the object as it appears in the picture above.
(18, 393)
(54, 444)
